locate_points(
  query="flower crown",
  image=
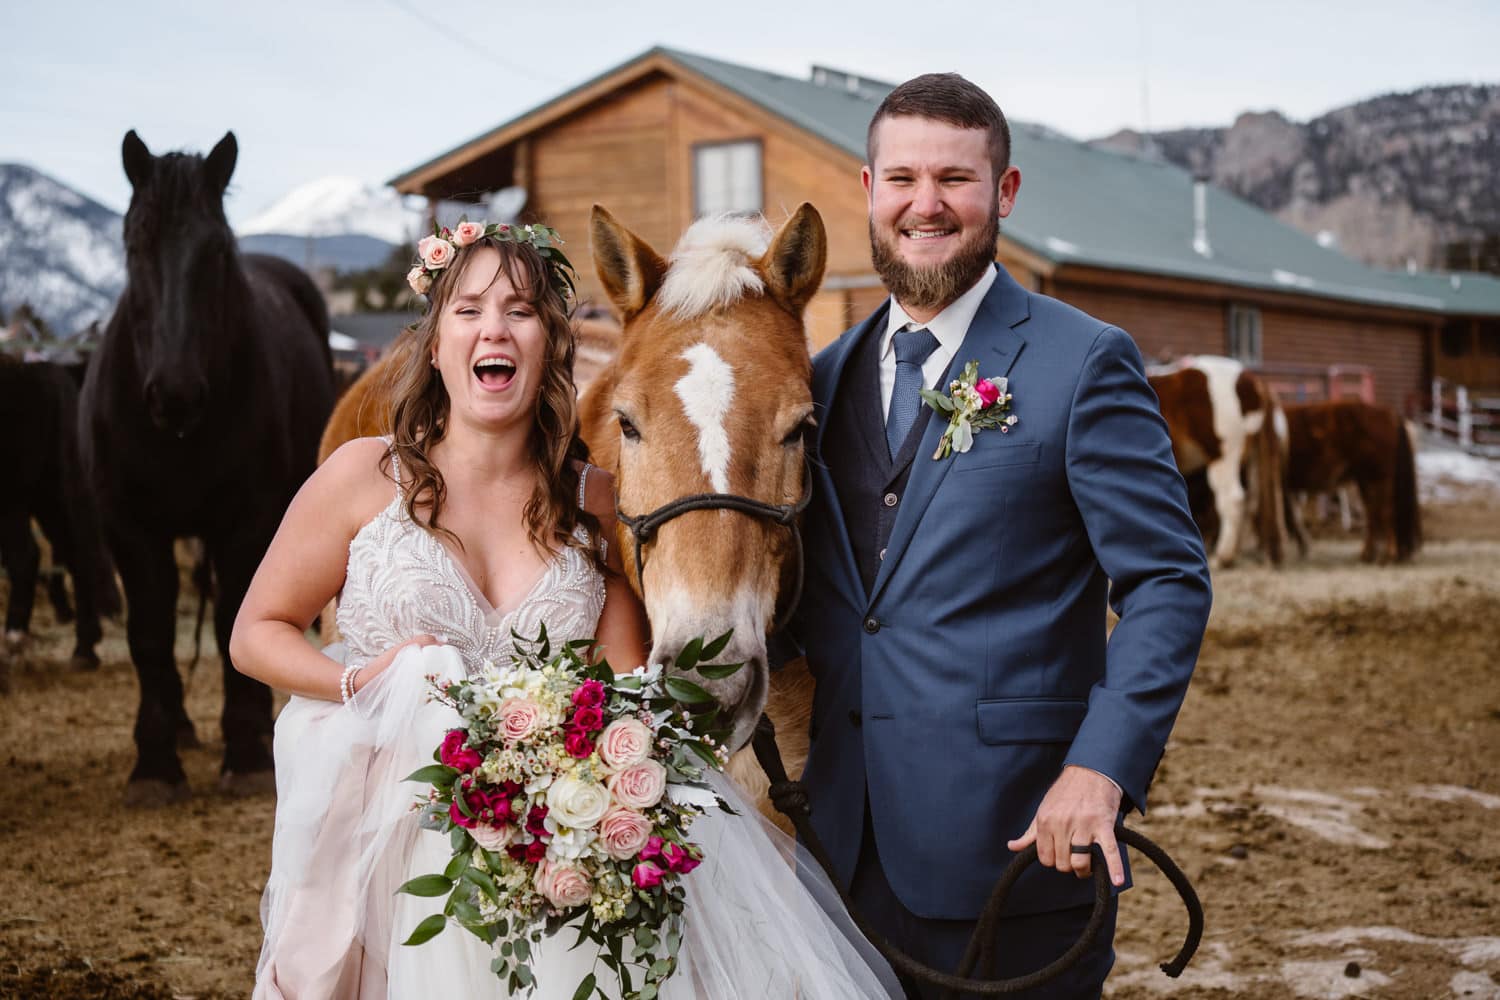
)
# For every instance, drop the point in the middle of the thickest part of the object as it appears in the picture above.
(437, 252)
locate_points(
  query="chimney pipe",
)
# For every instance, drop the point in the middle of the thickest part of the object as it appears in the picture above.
(1200, 215)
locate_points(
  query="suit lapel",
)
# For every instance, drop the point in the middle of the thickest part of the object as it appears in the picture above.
(991, 340)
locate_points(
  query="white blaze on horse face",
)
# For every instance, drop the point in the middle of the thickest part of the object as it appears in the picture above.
(707, 391)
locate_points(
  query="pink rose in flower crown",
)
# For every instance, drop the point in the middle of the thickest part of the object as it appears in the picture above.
(625, 742)
(563, 884)
(419, 280)
(589, 719)
(436, 253)
(679, 859)
(455, 755)
(492, 838)
(519, 718)
(589, 694)
(640, 785)
(466, 233)
(988, 393)
(623, 832)
(646, 876)
(578, 744)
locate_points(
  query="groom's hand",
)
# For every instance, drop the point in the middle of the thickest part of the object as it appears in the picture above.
(1079, 809)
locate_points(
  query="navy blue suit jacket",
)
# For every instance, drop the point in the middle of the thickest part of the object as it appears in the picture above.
(978, 665)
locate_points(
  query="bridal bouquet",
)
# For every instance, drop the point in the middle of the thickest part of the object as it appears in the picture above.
(568, 794)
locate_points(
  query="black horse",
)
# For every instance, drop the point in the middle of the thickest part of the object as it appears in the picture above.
(201, 414)
(39, 453)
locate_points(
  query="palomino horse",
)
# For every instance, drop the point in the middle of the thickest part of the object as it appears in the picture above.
(1349, 441)
(200, 418)
(1225, 421)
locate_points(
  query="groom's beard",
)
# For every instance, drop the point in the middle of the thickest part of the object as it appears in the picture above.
(934, 287)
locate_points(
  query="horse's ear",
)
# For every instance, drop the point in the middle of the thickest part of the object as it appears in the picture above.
(630, 270)
(793, 263)
(219, 166)
(137, 159)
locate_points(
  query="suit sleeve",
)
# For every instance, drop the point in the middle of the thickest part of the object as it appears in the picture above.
(1134, 507)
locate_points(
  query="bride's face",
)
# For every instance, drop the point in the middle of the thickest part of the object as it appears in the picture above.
(491, 347)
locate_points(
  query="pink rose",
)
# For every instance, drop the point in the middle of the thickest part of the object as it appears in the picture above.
(679, 859)
(646, 876)
(419, 280)
(589, 694)
(563, 884)
(987, 391)
(454, 754)
(492, 838)
(519, 718)
(436, 252)
(578, 744)
(623, 833)
(589, 719)
(466, 233)
(625, 742)
(639, 786)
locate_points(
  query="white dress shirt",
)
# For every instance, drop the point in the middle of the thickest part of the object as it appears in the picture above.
(948, 326)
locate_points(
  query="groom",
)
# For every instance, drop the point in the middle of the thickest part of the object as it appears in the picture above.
(968, 700)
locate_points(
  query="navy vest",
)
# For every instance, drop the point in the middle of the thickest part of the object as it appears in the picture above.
(870, 484)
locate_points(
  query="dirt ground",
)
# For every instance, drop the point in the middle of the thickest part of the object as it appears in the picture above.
(1332, 787)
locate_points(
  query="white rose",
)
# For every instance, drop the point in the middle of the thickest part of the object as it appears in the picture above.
(577, 803)
(492, 838)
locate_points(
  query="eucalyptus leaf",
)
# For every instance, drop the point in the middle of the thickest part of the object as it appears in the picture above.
(686, 691)
(456, 867)
(717, 646)
(584, 988)
(427, 885)
(691, 653)
(427, 930)
(433, 774)
(717, 671)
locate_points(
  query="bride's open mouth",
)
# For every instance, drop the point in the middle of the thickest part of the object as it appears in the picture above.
(494, 373)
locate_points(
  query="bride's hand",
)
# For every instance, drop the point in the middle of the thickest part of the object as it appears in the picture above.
(377, 666)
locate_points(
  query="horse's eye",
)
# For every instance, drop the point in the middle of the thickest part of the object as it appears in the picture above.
(799, 434)
(627, 430)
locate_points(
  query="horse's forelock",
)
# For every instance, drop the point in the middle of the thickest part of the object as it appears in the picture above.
(711, 265)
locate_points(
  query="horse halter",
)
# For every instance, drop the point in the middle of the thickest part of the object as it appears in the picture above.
(643, 527)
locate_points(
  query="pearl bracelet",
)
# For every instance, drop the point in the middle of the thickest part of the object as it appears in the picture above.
(346, 682)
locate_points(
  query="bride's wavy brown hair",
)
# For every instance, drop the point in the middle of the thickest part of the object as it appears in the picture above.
(420, 404)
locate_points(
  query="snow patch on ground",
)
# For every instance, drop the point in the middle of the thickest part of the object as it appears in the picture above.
(1453, 793)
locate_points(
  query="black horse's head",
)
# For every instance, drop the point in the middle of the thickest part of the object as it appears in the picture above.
(185, 282)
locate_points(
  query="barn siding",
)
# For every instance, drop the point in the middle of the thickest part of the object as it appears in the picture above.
(1392, 350)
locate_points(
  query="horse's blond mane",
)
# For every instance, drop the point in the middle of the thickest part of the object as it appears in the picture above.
(710, 266)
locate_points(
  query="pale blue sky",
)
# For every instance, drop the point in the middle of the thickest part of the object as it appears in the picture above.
(372, 87)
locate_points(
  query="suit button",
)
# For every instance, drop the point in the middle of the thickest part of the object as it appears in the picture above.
(882, 555)
(855, 717)
(872, 626)
(891, 499)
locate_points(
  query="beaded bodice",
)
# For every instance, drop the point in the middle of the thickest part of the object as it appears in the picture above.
(402, 581)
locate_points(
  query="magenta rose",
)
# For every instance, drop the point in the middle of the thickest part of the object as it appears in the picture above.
(589, 718)
(454, 754)
(519, 718)
(987, 391)
(623, 832)
(652, 850)
(625, 742)
(639, 786)
(457, 815)
(646, 876)
(563, 884)
(578, 744)
(679, 859)
(589, 694)
(536, 821)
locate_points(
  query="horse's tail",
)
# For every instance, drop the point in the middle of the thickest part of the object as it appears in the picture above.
(1408, 511)
(1270, 465)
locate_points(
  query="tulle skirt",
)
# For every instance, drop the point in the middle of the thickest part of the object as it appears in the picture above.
(761, 921)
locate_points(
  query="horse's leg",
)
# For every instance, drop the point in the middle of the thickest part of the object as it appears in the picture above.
(149, 571)
(61, 526)
(246, 717)
(1292, 509)
(1380, 524)
(1229, 502)
(22, 557)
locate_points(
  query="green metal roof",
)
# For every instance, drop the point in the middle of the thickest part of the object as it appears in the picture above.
(1094, 207)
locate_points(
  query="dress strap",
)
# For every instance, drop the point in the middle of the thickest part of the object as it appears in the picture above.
(583, 479)
(390, 447)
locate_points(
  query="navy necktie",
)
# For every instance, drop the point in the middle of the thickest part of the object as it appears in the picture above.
(913, 347)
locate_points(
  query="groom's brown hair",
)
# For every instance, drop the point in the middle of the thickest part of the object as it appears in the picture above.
(946, 97)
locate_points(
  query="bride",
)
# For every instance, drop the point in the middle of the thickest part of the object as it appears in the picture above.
(474, 520)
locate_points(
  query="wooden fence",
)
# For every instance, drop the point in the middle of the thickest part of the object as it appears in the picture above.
(1470, 421)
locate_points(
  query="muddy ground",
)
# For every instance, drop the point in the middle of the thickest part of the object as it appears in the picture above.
(1332, 787)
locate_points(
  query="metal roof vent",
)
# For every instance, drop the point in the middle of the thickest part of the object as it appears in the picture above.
(1200, 216)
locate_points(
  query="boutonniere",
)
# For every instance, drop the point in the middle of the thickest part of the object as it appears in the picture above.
(972, 404)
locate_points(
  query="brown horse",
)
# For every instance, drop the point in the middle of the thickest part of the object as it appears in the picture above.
(1349, 441)
(1226, 422)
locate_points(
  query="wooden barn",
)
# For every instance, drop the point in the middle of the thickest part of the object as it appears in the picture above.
(1184, 267)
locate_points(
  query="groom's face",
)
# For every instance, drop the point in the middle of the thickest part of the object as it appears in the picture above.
(935, 209)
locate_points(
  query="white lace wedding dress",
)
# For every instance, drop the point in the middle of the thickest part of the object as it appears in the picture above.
(759, 924)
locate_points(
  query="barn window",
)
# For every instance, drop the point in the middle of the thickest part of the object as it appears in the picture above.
(1244, 333)
(726, 177)
(1455, 339)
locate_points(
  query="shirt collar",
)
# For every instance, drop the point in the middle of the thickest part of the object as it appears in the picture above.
(949, 326)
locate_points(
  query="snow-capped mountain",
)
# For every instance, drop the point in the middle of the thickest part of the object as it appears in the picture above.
(61, 251)
(341, 206)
